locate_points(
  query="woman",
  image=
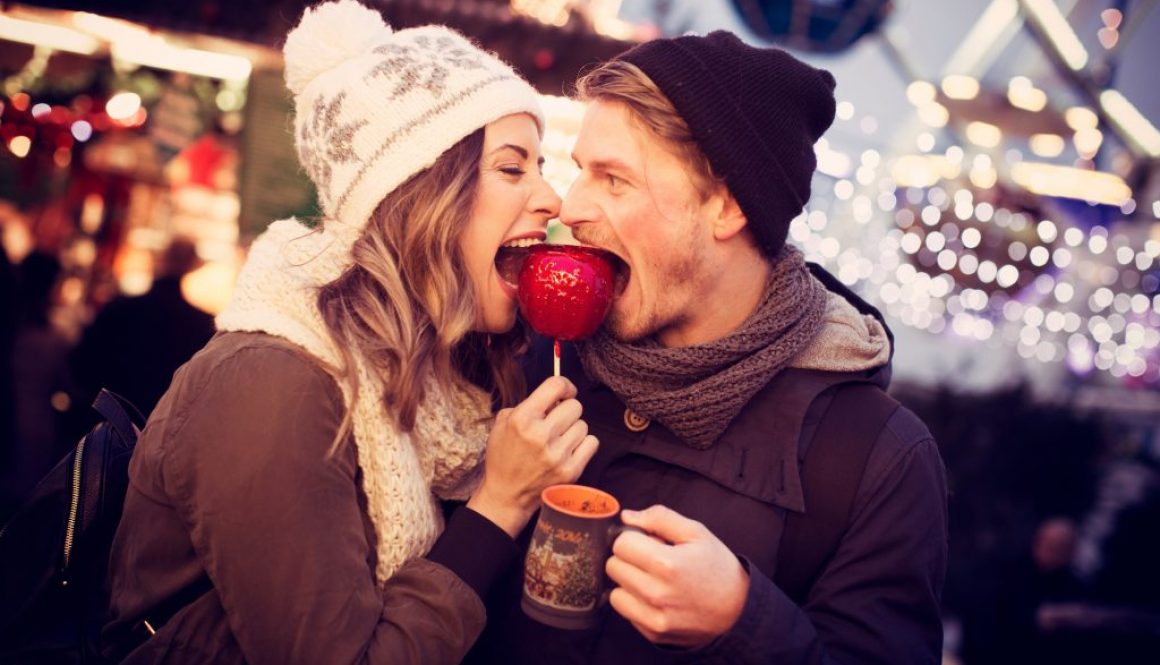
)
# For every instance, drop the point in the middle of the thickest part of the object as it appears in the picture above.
(285, 496)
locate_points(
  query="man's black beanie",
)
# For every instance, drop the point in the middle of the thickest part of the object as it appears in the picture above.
(755, 113)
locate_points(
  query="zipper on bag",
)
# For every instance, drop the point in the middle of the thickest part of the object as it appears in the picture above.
(73, 508)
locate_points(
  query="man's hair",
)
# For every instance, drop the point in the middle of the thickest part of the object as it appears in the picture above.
(407, 307)
(617, 80)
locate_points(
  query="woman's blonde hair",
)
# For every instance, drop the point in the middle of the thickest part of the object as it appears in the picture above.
(617, 80)
(407, 306)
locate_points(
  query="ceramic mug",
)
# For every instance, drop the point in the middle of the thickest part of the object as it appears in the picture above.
(564, 581)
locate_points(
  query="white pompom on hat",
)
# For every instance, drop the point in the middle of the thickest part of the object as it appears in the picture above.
(375, 106)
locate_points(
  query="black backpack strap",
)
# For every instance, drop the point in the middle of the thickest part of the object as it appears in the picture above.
(120, 413)
(832, 469)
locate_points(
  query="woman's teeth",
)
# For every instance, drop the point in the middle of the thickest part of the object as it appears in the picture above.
(522, 242)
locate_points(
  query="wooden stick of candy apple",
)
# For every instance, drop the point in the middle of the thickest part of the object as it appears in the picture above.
(565, 291)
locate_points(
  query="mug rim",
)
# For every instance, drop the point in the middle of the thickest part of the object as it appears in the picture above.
(614, 508)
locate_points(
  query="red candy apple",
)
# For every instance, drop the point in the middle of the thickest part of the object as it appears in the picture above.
(565, 291)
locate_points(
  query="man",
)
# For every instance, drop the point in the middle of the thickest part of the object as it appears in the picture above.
(715, 375)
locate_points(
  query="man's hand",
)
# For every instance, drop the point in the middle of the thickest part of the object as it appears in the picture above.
(679, 585)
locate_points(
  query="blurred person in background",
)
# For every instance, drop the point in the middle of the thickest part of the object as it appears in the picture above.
(8, 496)
(38, 371)
(1120, 620)
(7, 332)
(285, 500)
(135, 343)
(1005, 628)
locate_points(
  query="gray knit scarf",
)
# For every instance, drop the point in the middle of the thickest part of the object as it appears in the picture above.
(696, 391)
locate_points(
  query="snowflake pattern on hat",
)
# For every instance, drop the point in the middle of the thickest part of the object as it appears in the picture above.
(423, 64)
(324, 140)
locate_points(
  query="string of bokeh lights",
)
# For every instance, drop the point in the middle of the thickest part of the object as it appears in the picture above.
(1057, 292)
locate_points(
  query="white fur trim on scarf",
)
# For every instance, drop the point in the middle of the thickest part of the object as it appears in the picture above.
(849, 341)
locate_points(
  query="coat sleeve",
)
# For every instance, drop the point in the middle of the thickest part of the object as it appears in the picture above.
(877, 601)
(276, 521)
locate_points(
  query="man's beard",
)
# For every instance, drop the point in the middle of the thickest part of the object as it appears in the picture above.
(679, 278)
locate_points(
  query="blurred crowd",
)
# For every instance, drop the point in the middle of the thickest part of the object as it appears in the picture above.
(131, 346)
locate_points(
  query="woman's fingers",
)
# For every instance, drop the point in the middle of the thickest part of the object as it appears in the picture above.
(567, 442)
(561, 419)
(581, 455)
(552, 391)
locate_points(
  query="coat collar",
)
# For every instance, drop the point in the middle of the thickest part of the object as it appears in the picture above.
(758, 455)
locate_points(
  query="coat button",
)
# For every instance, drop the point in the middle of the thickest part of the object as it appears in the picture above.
(634, 422)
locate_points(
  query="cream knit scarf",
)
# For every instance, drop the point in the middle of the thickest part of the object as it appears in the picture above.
(696, 391)
(404, 475)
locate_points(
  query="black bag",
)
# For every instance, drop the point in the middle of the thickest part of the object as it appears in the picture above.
(54, 553)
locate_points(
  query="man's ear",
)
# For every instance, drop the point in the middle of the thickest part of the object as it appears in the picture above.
(730, 219)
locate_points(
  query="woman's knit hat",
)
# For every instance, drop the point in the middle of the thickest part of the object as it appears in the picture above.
(374, 106)
(755, 113)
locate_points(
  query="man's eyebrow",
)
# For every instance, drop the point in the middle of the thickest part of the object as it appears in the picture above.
(602, 165)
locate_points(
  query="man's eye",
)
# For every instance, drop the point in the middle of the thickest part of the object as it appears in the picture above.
(614, 181)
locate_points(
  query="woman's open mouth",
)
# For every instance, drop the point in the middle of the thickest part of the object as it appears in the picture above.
(510, 258)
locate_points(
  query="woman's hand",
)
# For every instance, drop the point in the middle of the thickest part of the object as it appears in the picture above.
(540, 442)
